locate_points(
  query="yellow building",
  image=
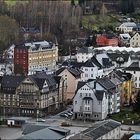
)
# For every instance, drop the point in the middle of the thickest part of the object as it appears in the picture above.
(42, 56)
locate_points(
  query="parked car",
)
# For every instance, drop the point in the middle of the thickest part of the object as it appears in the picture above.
(64, 115)
(69, 114)
(40, 120)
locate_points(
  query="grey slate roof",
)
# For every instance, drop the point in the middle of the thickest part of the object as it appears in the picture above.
(99, 94)
(29, 128)
(117, 56)
(80, 84)
(95, 61)
(106, 83)
(133, 67)
(40, 78)
(75, 72)
(98, 130)
(85, 50)
(10, 81)
(48, 133)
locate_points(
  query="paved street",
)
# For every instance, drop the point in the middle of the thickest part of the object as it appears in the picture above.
(10, 133)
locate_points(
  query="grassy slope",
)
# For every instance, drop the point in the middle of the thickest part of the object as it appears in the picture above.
(13, 2)
(95, 21)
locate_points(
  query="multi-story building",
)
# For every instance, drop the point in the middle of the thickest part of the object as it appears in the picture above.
(29, 57)
(135, 41)
(35, 95)
(84, 54)
(95, 99)
(90, 101)
(72, 76)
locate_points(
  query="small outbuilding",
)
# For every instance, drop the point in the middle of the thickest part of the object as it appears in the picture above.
(16, 121)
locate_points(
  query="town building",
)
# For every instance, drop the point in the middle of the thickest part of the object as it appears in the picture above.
(124, 39)
(33, 96)
(135, 41)
(90, 101)
(95, 99)
(126, 27)
(84, 53)
(108, 129)
(29, 57)
(72, 76)
(107, 40)
(120, 60)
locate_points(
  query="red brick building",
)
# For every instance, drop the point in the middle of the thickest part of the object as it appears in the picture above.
(21, 59)
(107, 40)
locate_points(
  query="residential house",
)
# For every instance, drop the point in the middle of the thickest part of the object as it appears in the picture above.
(126, 88)
(106, 62)
(135, 41)
(91, 69)
(107, 40)
(108, 129)
(126, 27)
(120, 60)
(29, 57)
(72, 76)
(84, 53)
(113, 94)
(35, 95)
(90, 101)
(134, 69)
(124, 39)
(95, 99)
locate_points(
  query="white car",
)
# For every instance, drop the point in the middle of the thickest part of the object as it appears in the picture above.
(40, 120)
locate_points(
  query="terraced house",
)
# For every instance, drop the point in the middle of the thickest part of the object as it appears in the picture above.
(35, 95)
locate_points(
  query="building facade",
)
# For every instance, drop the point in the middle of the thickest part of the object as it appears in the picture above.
(135, 41)
(30, 57)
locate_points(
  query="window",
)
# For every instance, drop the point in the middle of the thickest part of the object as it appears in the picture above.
(89, 94)
(86, 75)
(134, 72)
(136, 78)
(80, 95)
(75, 102)
(91, 75)
(136, 84)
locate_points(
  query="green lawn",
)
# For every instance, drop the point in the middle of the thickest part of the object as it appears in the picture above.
(13, 2)
(94, 22)
(126, 116)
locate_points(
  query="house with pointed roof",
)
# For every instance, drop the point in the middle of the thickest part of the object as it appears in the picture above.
(135, 40)
(90, 101)
(120, 60)
(84, 53)
(72, 76)
(34, 95)
(95, 99)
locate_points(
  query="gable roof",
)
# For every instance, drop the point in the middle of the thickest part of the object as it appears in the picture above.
(75, 72)
(106, 83)
(115, 56)
(95, 61)
(45, 133)
(99, 130)
(80, 84)
(10, 81)
(133, 67)
(85, 50)
(99, 94)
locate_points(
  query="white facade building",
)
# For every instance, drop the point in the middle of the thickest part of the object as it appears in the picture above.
(135, 41)
(84, 54)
